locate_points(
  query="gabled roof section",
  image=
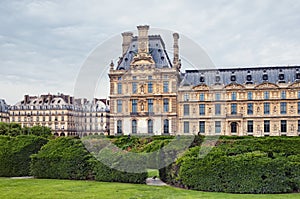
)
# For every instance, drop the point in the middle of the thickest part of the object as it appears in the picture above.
(156, 49)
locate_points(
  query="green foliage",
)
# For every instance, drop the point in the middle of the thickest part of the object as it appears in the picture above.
(62, 158)
(40, 131)
(254, 165)
(15, 154)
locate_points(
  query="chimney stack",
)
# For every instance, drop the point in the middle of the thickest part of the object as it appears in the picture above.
(127, 37)
(143, 41)
(176, 49)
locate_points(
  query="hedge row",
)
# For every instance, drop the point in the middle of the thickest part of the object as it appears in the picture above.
(15, 154)
(256, 165)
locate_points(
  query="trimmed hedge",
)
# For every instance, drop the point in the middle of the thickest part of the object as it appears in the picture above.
(15, 154)
(255, 165)
(62, 158)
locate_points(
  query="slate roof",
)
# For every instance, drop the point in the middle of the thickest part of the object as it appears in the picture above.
(249, 75)
(3, 106)
(156, 49)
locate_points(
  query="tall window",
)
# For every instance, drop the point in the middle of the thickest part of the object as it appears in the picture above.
(217, 126)
(298, 126)
(217, 109)
(134, 87)
(266, 95)
(186, 109)
(266, 108)
(282, 107)
(250, 108)
(166, 105)
(267, 126)
(283, 126)
(201, 97)
(186, 97)
(283, 95)
(233, 96)
(150, 105)
(119, 106)
(298, 107)
(166, 126)
(202, 126)
(119, 127)
(298, 94)
(218, 96)
(150, 126)
(134, 126)
(186, 127)
(250, 96)
(202, 109)
(134, 106)
(166, 86)
(233, 109)
(150, 87)
(250, 126)
(119, 88)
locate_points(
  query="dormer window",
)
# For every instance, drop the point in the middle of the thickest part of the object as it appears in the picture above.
(249, 77)
(202, 79)
(233, 78)
(265, 77)
(281, 78)
(218, 78)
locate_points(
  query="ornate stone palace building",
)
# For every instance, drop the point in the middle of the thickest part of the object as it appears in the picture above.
(64, 114)
(150, 95)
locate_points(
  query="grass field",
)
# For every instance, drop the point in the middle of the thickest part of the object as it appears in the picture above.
(46, 188)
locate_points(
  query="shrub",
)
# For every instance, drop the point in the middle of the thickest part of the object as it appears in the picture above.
(62, 158)
(15, 154)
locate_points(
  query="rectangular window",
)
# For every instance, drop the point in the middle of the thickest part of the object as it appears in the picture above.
(119, 88)
(186, 127)
(283, 126)
(119, 106)
(298, 126)
(134, 126)
(186, 109)
(150, 87)
(217, 109)
(202, 109)
(134, 77)
(233, 109)
(217, 126)
(298, 107)
(201, 97)
(250, 126)
(186, 97)
(250, 96)
(266, 108)
(266, 95)
(233, 96)
(134, 87)
(267, 126)
(134, 106)
(150, 126)
(282, 107)
(166, 105)
(298, 94)
(250, 108)
(283, 95)
(166, 86)
(202, 126)
(150, 105)
(218, 96)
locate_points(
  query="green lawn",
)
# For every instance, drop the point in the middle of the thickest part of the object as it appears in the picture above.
(45, 188)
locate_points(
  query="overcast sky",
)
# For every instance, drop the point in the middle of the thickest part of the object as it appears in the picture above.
(43, 44)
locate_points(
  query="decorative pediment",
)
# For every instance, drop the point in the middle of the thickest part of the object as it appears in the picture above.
(295, 85)
(234, 86)
(266, 85)
(201, 87)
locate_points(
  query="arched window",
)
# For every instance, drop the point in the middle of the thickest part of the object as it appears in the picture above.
(150, 126)
(166, 126)
(119, 127)
(134, 126)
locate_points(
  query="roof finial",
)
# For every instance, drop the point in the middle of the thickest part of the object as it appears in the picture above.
(112, 65)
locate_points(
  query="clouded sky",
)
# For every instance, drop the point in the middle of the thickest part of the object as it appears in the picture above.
(43, 44)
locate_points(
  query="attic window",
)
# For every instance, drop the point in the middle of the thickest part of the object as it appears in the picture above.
(248, 71)
(233, 78)
(34, 102)
(298, 76)
(52, 101)
(159, 50)
(46, 101)
(58, 101)
(202, 79)
(133, 46)
(281, 77)
(40, 102)
(265, 77)
(218, 79)
(156, 44)
(249, 78)
(162, 58)
(126, 59)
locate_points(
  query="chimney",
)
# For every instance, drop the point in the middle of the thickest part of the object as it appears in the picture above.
(143, 39)
(127, 37)
(26, 99)
(176, 49)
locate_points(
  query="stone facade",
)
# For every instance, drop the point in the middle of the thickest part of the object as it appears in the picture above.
(64, 114)
(150, 95)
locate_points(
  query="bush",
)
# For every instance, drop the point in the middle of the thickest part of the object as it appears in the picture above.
(15, 154)
(62, 158)
(256, 165)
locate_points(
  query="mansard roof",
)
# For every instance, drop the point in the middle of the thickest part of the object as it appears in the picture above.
(156, 49)
(3, 106)
(247, 75)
